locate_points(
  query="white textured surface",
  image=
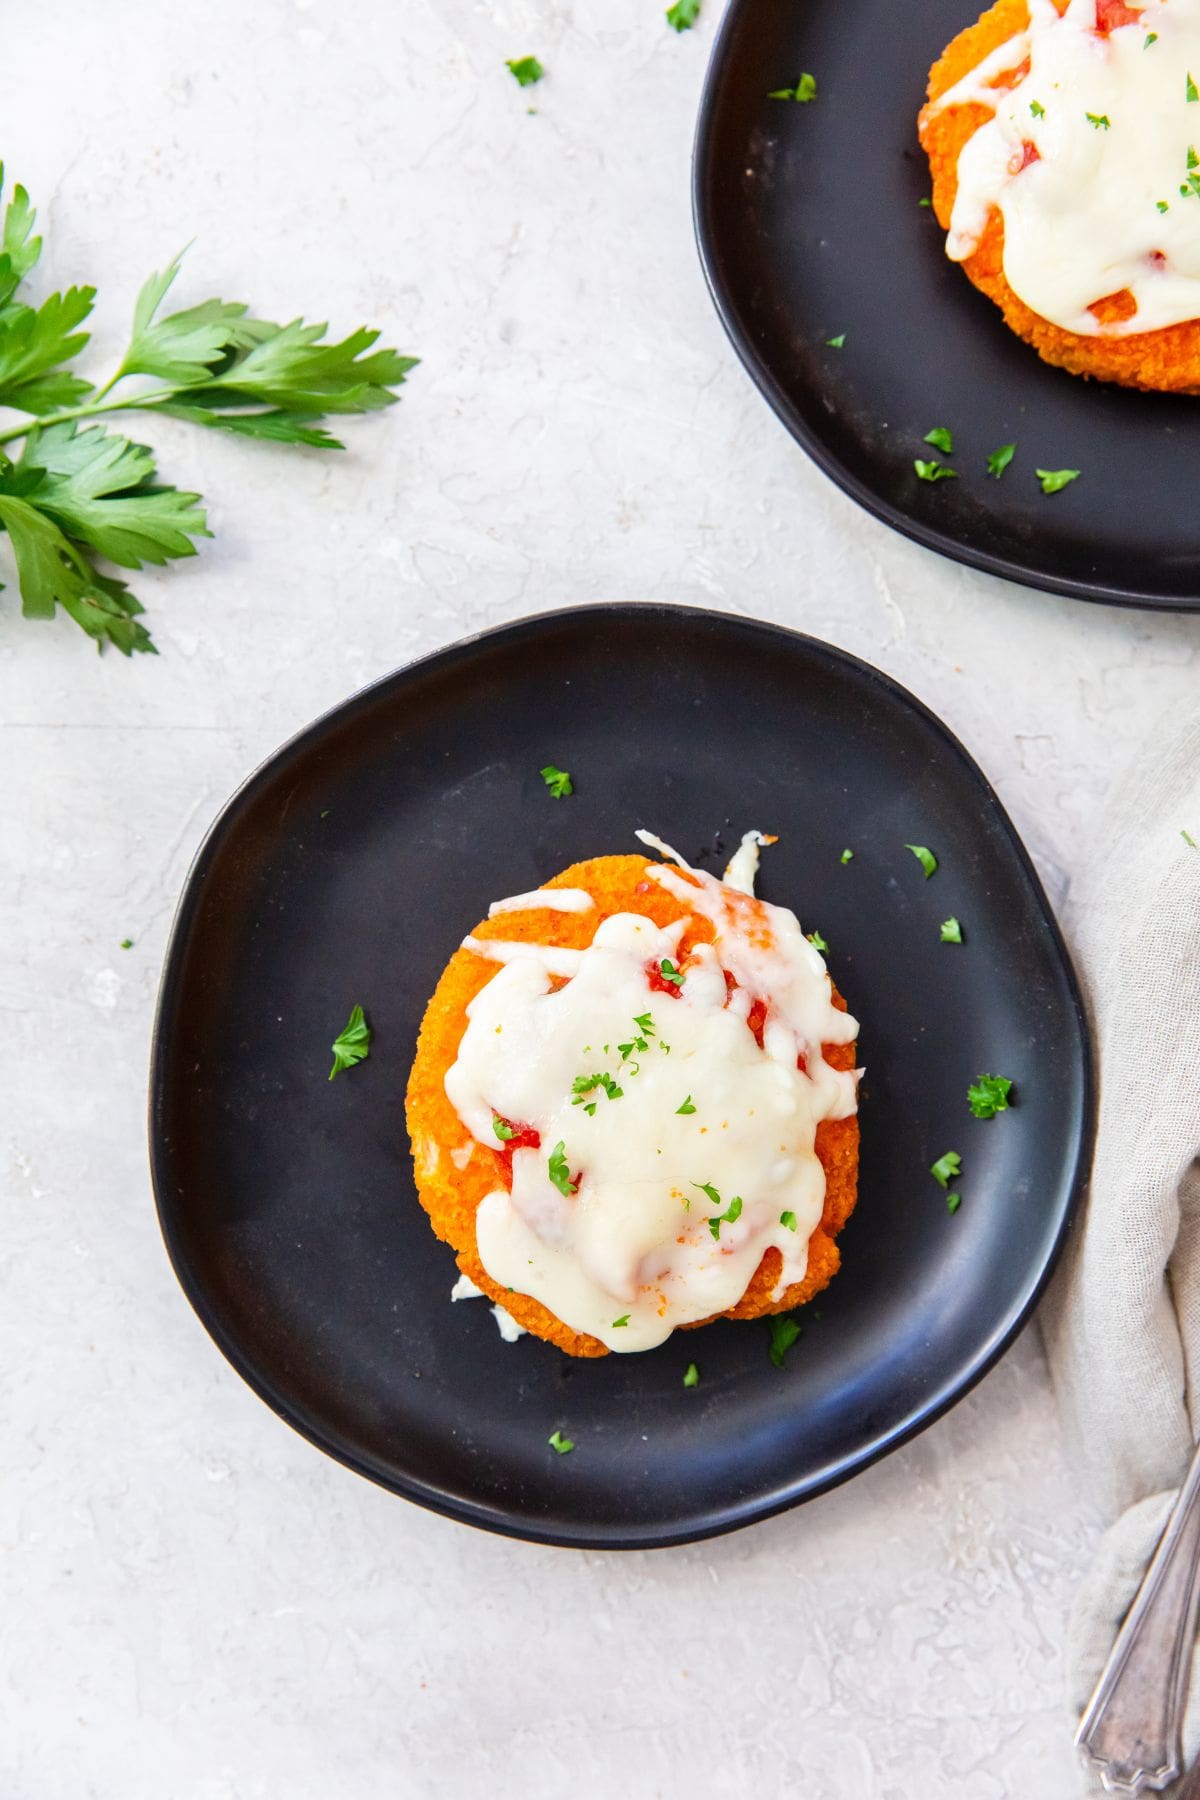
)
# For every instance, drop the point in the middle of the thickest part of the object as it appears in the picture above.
(193, 1603)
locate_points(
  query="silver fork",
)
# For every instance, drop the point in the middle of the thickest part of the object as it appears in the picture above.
(1131, 1733)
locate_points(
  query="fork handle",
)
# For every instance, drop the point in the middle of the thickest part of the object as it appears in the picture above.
(1131, 1733)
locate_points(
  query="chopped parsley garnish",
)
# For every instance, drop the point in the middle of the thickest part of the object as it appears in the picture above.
(1193, 158)
(947, 1168)
(1151, 38)
(502, 1128)
(1037, 109)
(804, 90)
(558, 1171)
(925, 200)
(1188, 838)
(583, 1085)
(127, 943)
(706, 1187)
(644, 1022)
(1098, 121)
(950, 931)
(817, 942)
(683, 15)
(1192, 94)
(670, 972)
(989, 1096)
(564, 1445)
(1162, 206)
(784, 1332)
(525, 70)
(558, 781)
(846, 856)
(788, 1219)
(687, 1107)
(934, 471)
(352, 1044)
(926, 858)
(941, 440)
(999, 460)
(691, 1376)
(732, 1212)
(1053, 479)
(953, 1202)
(623, 1320)
(835, 343)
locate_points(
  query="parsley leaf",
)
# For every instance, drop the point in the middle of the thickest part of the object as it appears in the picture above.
(33, 344)
(502, 1128)
(818, 942)
(587, 1084)
(1098, 121)
(623, 1320)
(1151, 38)
(706, 1187)
(645, 1023)
(669, 972)
(804, 91)
(953, 1202)
(1037, 109)
(525, 70)
(788, 1219)
(558, 781)
(1054, 479)
(127, 943)
(100, 489)
(941, 440)
(564, 1445)
(950, 931)
(947, 1168)
(999, 460)
(1192, 94)
(1188, 838)
(1162, 206)
(926, 858)
(558, 1171)
(687, 1107)
(846, 856)
(835, 343)
(683, 15)
(732, 1213)
(691, 1376)
(989, 1096)
(352, 1044)
(934, 471)
(784, 1332)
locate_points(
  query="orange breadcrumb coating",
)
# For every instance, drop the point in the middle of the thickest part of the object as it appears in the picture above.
(1167, 360)
(450, 1195)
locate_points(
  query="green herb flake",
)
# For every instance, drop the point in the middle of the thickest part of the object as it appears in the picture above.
(558, 781)
(784, 1332)
(925, 200)
(804, 90)
(525, 70)
(644, 1022)
(1193, 160)
(1098, 121)
(953, 1202)
(558, 1171)
(691, 1376)
(1192, 94)
(127, 943)
(947, 1168)
(926, 858)
(1188, 838)
(1037, 109)
(732, 1213)
(950, 931)
(934, 471)
(683, 15)
(846, 856)
(835, 343)
(564, 1445)
(706, 1187)
(352, 1044)
(1162, 206)
(687, 1107)
(502, 1128)
(999, 460)
(817, 942)
(989, 1096)
(1151, 38)
(669, 972)
(623, 1320)
(788, 1220)
(1054, 479)
(941, 440)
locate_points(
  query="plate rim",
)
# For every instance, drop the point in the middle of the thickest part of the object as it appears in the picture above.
(736, 1514)
(810, 441)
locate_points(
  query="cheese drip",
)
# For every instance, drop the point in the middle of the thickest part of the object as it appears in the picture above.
(1087, 156)
(630, 1251)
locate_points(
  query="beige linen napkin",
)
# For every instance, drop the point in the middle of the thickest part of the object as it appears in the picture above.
(1122, 1320)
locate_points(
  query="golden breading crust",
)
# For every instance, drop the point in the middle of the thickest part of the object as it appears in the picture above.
(1167, 360)
(450, 1195)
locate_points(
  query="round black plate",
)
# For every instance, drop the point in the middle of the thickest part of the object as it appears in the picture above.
(347, 869)
(809, 226)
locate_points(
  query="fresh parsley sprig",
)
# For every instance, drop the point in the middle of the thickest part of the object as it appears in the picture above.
(77, 496)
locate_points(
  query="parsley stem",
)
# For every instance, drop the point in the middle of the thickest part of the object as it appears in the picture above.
(88, 410)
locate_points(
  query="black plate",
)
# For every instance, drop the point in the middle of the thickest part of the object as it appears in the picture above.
(347, 869)
(809, 226)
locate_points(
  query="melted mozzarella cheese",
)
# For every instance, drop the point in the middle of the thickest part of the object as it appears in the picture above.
(566, 900)
(1088, 157)
(649, 1104)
